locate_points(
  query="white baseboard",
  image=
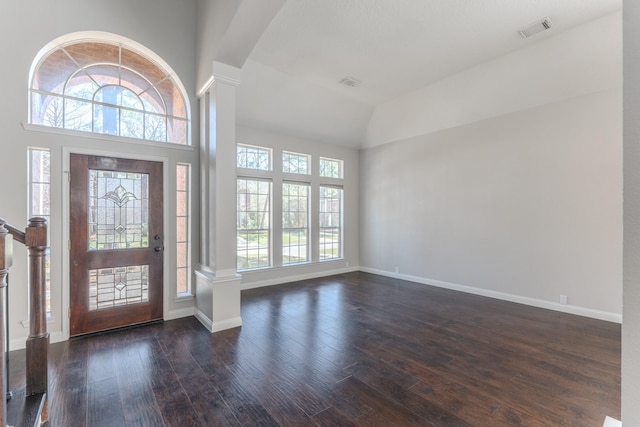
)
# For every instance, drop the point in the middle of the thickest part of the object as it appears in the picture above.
(298, 277)
(226, 324)
(534, 302)
(217, 326)
(21, 343)
(56, 337)
(206, 322)
(178, 314)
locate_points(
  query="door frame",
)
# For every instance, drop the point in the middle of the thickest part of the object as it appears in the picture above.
(66, 269)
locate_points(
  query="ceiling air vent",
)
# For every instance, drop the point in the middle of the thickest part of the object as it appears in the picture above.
(350, 81)
(535, 28)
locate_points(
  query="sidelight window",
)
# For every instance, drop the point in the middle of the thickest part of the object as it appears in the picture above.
(40, 202)
(183, 224)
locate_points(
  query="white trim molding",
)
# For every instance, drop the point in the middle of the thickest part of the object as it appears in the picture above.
(299, 277)
(217, 326)
(534, 302)
(105, 137)
(225, 73)
(217, 301)
(204, 319)
(226, 324)
(177, 314)
(21, 343)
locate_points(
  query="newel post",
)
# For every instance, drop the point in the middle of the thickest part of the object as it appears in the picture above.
(38, 341)
(6, 259)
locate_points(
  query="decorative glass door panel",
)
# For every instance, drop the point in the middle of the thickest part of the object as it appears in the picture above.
(116, 242)
(111, 287)
(118, 210)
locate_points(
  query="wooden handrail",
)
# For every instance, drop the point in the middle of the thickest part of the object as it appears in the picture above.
(35, 239)
(18, 235)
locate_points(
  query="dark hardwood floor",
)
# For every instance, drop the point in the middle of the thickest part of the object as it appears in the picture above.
(353, 349)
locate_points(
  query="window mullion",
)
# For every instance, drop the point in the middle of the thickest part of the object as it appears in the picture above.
(314, 220)
(98, 67)
(277, 221)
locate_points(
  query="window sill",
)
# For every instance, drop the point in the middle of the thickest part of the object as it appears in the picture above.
(103, 137)
(291, 266)
(184, 297)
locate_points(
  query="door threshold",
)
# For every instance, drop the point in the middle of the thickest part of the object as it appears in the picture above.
(118, 329)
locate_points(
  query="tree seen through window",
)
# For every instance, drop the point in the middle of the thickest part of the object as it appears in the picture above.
(108, 88)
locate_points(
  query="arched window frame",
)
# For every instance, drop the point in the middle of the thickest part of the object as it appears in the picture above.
(174, 129)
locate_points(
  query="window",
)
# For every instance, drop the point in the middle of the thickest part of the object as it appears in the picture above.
(330, 223)
(295, 163)
(250, 157)
(183, 223)
(39, 202)
(253, 223)
(295, 223)
(308, 204)
(330, 168)
(108, 88)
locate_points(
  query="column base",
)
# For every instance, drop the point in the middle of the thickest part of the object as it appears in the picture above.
(37, 357)
(218, 300)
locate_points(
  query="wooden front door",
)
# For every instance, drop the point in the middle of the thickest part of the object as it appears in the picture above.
(116, 247)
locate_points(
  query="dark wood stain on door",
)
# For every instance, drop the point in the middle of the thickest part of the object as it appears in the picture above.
(82, 259)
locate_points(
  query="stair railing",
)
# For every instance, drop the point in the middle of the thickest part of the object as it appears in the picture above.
(35, 239)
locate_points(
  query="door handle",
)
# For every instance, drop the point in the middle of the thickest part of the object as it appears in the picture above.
(158, 249)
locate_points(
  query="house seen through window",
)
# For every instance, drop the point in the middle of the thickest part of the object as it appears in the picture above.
(108, 88)
(264, 193)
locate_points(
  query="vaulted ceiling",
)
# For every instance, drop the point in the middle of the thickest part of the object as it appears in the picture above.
(291, 78)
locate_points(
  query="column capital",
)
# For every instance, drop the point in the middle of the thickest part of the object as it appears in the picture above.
(225, 73)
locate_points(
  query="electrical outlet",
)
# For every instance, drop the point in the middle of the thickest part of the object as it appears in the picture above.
(397, 269)
(564, 299)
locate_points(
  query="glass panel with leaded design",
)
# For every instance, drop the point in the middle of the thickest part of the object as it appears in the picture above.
(118, 210)
(106, 88)
(112, 287)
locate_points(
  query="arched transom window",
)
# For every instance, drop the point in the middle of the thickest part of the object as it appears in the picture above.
(108, 88)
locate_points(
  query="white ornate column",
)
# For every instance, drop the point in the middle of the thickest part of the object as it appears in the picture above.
(217, 281)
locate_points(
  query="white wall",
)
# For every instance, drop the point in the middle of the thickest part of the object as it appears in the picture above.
(214, 17)
(29, 25)
(524, 205)
(228, 30)
(583, 60)
(631, 307)
(506, 179)
(279, 142)
(278, 102)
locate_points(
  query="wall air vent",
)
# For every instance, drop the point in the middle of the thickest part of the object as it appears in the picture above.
(350, 81)
(535, 28)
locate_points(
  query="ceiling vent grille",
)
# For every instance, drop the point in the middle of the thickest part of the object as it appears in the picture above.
(535, 28)
(350, 81)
